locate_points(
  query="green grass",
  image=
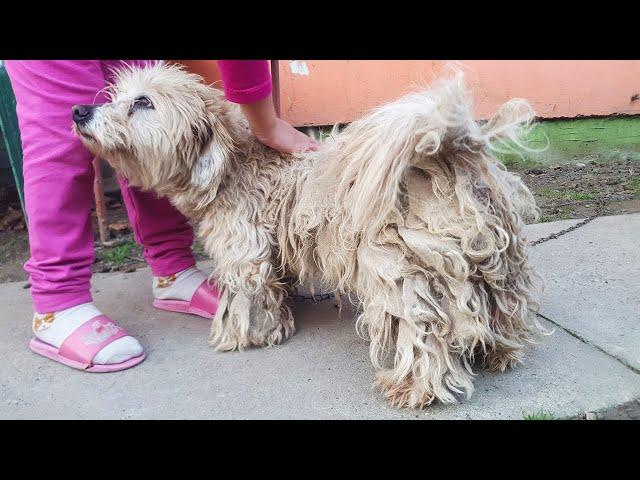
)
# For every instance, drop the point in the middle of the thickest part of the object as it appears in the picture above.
(550, 193)
(566, 194)
(120, 254)
(563, 213)
(540, 415)
(634, 184)
(130, 250)
(582, 196)
(563, 141)
(514, 161)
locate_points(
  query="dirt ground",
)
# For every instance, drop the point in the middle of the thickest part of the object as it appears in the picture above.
(572, 190)
(579, 190)
(121, 253)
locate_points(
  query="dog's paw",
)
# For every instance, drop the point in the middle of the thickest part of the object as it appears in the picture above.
(411, 391)
(501, 360)
(404, 393)
(269, 327)
(225, 340)
(240, 324)
(270, 337)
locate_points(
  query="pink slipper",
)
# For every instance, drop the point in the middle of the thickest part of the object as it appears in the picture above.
(79, 349)
(203, 303)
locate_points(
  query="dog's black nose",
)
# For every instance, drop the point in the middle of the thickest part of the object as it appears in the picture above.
(82, 113)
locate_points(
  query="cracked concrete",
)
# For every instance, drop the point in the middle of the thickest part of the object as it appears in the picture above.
(323, 372)
(593, 284)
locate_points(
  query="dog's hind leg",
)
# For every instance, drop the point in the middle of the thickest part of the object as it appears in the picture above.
(510, 291)
(424, 368)
(514, 325)
(427, 364)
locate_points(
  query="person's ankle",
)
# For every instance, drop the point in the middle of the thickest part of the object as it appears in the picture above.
(179, 286)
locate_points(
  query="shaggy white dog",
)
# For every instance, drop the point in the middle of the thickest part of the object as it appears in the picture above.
(405, 210)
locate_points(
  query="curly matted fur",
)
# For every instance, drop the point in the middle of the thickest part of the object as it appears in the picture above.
(406, 210)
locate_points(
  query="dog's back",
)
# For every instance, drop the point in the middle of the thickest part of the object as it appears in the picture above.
(408, 209)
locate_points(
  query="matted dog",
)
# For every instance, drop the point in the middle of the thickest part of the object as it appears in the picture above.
(406, 211)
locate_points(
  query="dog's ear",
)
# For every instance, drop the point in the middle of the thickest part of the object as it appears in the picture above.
(208, 169)
(214, 140)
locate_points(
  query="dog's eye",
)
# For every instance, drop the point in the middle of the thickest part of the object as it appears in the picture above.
(140, 103)
(143, 102)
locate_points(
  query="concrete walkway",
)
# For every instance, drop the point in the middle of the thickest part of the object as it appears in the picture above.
(592, 361)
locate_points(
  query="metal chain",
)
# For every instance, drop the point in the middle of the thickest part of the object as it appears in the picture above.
(314, 298)
(565, 231)
(597, 213)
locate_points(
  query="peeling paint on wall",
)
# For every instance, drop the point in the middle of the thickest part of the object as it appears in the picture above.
(299, 67)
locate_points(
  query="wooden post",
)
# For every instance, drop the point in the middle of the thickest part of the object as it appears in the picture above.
(98, 193)
(275, 81)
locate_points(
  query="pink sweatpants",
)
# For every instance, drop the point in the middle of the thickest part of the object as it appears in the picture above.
(58, 176)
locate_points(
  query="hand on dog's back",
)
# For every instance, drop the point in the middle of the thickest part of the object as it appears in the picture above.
(286, 139)
(273, 131)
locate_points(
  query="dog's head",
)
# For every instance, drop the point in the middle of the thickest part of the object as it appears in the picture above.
(163, 127)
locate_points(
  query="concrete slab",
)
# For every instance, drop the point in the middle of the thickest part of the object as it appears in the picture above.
(323, 372)
(593, 284)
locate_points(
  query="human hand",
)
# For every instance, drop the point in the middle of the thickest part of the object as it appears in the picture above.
(275, 132)
(286, 139)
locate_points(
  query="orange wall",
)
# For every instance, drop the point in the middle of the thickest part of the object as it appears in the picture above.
(207, 69)
(324, 92)
(341, 91)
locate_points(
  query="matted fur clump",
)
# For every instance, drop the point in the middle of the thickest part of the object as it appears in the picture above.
(406, 210)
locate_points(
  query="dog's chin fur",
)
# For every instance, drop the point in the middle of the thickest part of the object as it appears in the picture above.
(406, 210)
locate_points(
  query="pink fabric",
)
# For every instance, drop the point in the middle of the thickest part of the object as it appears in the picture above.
(245, 81)
(58, 176)
(89, 338)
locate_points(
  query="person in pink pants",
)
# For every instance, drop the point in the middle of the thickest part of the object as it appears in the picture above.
(58, 187)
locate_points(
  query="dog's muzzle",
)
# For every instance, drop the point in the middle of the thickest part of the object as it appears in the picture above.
(83, 113)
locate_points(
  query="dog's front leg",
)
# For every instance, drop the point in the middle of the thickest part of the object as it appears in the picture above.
(253, 311)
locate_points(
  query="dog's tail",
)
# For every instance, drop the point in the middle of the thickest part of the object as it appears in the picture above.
(374, 153)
